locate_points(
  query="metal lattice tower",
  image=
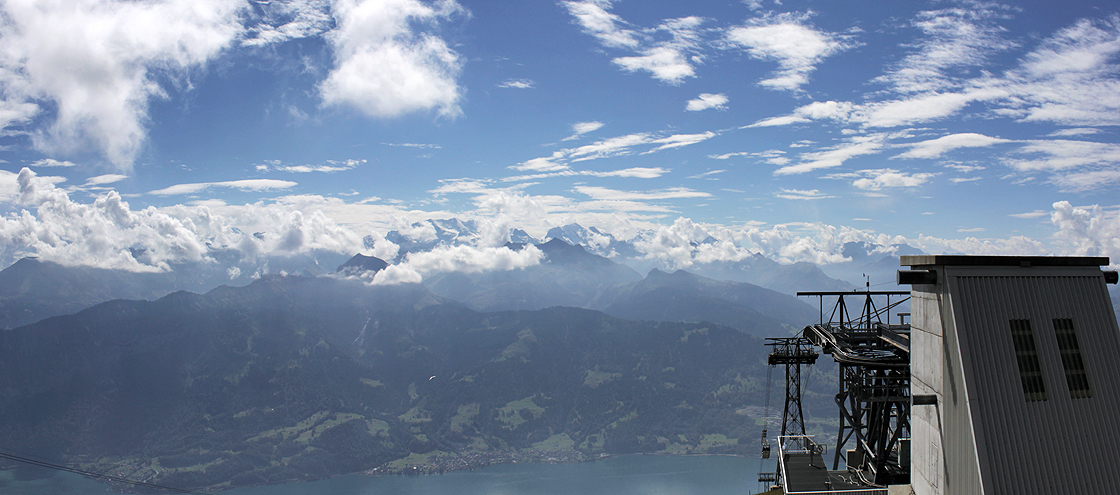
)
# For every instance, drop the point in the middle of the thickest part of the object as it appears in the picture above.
(792, 352)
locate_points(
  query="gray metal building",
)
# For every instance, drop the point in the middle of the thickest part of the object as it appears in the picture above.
(1015, 376)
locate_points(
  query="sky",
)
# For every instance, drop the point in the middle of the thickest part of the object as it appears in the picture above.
(177, 127)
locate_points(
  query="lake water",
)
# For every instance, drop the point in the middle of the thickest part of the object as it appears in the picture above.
(624, 475)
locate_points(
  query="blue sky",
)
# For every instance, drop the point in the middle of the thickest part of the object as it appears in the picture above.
(785, 128)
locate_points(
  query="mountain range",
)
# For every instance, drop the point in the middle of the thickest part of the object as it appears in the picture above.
(299, 377)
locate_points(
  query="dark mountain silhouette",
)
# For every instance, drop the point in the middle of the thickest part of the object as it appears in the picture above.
(361, 263)
(297, 378)
(31, 290)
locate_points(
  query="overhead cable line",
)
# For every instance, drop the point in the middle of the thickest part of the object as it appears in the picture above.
(106, 477)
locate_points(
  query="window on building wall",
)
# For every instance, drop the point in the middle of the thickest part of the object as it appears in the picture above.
(1026, 353)
(1076, 378)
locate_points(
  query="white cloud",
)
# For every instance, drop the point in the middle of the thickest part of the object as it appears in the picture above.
(462, 258)
(681, 244)
(670, 61)
(329, 166)
(818, 110)
(1032, 214)
(1087, 231)
(801, 194)
(95, 82)
(923, 107)
(973, 229)
(51, 162)
(789, 40)
(604, 194)
(955, 41)
(1077, 131)
(836, 156)
(706, 101)
(101, 180)
(635, 172)
(1071, 78)
(244, 185)
(517, 84)
(581, 128)
(1062, 155)
(665, 63)
(606, 27)
(707, 175)
(283, 21)
(877, 179)
(934, 148)
(386, 68)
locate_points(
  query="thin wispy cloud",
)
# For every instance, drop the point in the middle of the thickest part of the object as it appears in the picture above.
(581, 128)
(799, 194)
(50, 162)
(517, 84)
(934, 148)
(328, 167)
(243, 185)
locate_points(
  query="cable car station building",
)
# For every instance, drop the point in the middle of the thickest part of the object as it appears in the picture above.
(1005, 381)
(1015, 375)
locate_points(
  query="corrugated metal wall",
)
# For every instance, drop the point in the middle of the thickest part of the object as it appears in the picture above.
(1061, 444)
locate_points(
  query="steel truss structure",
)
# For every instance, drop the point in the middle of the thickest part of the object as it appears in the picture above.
(874, 383)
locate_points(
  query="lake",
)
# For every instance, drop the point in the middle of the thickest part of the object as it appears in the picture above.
(623, 475)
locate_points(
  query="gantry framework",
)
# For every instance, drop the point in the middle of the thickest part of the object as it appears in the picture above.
(874, 382)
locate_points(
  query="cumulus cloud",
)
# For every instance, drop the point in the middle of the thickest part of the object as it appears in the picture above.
(108, 233)
(685, 243)
(94, 84)
(461, 258)
(244, 185)
(789, 40)
(385, 65)
(1087, 231)
(706, 101)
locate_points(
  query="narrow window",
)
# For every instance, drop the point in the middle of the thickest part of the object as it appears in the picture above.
(1076, 378)
(1026, 353)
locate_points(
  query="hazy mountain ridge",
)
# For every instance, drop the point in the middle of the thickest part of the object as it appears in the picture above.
(567, 276)
(684, 296)
(307, 377)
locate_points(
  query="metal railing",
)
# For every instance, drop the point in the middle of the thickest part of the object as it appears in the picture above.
(804, 444)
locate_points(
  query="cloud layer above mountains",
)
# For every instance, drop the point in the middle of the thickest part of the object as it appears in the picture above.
(45, 222)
